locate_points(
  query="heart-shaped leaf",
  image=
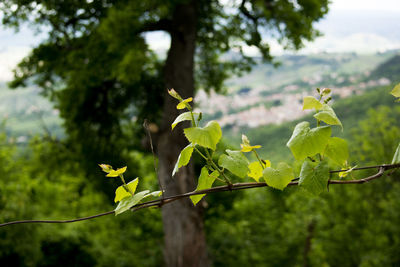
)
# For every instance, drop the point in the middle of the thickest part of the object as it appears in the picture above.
(256, 169)
(328, 116)
(124, 191)
(235, 162)
(314, 177)
(396, 90)
(337, 150)
(208, 136)
(128, 202)
(184, 158)
(186, 116)
(310, 102)
(206, 181)
(280, 177)
(306, 142)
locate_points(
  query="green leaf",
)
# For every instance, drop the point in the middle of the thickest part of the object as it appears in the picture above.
(124, 191)
(255, 170)
(236, 163)
(314, 178)
(154, 194)
(337, 150)
(116, 173)
(186, 116)
(396, 157)
(306, 142)
(128, 202)
(208, 136)
(280, 177)
(310, 102)
(106, 168)
(184, 102)
(184, 158)
(328, 116)
(206, 181)
(396, 90)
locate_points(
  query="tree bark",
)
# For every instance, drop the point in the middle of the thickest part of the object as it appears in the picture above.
(184, 237)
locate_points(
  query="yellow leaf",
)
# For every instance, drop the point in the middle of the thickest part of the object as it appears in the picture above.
(245, 145)
(248, 148)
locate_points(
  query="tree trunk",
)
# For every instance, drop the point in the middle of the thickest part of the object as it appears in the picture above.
(185, 243)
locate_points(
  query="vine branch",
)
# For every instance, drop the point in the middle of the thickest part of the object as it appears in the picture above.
(237, 186)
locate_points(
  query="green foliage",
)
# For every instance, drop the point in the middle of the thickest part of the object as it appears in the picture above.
(314, 177)
(130, 201)
(396, 91)
(256, 169)
(235, 162)
(310, 102)
(207, 136)
(306, 142)
(184, 158)
(327, 115)
(186, 116)
(206, 181)
(127, 190)
(337, 150)
(280, 177)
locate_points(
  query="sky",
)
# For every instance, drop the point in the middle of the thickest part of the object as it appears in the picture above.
(363, 26)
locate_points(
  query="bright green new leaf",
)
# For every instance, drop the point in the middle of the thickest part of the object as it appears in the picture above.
(245, 145)
(328, 116)
(124, 191)
(344, 173)
(174, 94)
(128, 202)
(314, 178)
(310, 102)
(206, 181)
(256, 169)
(208, 136)
(184, 158)
(116, 173)
(280, 177)
(183, 103)
(337, 150)
(186, 116)
(106, 168)
(396, 157)
(235, 162)
(396, 90)
(306, 142)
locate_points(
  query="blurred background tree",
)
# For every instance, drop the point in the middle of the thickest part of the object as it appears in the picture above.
(97, 68)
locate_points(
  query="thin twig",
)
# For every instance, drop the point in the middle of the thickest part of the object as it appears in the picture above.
(146, 126)
(238, 186)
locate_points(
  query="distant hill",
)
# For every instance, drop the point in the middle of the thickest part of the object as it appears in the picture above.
(389, 69)
(26, 113)
(350, 110)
